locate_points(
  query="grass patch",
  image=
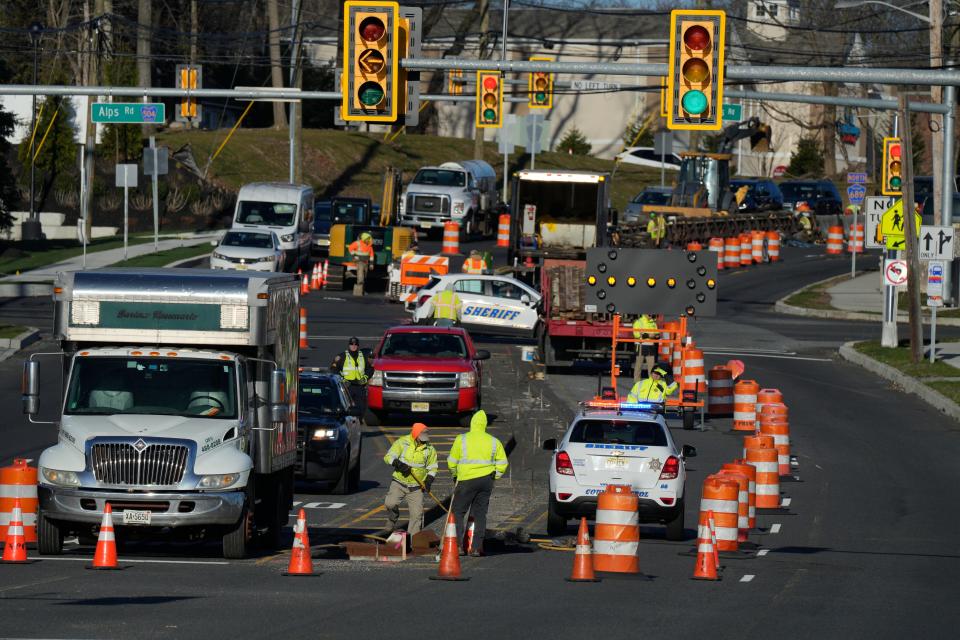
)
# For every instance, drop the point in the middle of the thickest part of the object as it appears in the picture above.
(899, 358)
(947, 388)
(35, 255)
(163, 258)
(815, 296)
(903, 304)
(8, 331)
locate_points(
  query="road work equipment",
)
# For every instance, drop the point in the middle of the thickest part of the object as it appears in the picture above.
(467, 542)
(301, 563)
(765, 397)
(720, 392)
(743, 501)
(706, 568)
(745, 405)
(763, 457)
(739, 466)
(449, 568)
(105, 555)
(19, 482)
(304, 343)
(720, 497)
(15, 549)
(774, 422)
(617, 531)
(451, 239)
(583, 557)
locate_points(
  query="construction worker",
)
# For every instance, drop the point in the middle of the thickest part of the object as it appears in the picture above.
(805, 220)
(644, 327)
(355, 367)
(361, 250)
(656, 388)
(446, 307)
(476, 459)
(657, 228)
(414, 462)
(475, 264)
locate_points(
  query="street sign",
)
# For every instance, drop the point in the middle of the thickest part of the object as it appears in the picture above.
(128, 112)
(779, 171)
(873, 209)
(536, 133)
(856, 178)
(935, 283)
(936, 243)
(893, 227)
(593, 85)
(895, 272)
(856, 193)
(732, 112)
(163, 167)
(663, 143)
(126, 176)
(506, 137)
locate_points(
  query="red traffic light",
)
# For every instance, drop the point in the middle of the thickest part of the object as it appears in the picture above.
(696, 38)
(895, 151)
(490, 83)
(372, 29)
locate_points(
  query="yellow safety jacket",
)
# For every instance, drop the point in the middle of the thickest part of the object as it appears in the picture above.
(644, 325)
(420, 457)
(446, 305)
(476, 454)
(354, 370)
(651, 390)
(657, 227)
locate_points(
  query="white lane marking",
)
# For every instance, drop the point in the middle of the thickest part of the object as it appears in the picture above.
(764, 355)
(297, 503)
(325, 505)
(775, 528)
(778, 352)
(747, 578)
(762, 552)
(122, 560)
(786, 502)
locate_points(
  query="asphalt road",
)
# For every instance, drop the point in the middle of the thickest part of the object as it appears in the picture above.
(864, 547)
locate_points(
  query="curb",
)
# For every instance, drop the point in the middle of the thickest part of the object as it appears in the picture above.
(906, 383)
(186, 261)
(26, 289)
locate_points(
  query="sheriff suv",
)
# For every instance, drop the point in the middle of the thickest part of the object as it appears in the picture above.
(617, 443)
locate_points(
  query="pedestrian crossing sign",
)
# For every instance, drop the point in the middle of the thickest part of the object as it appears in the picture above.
(892, 228)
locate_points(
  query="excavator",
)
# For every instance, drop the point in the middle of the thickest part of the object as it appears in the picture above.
(702, 205)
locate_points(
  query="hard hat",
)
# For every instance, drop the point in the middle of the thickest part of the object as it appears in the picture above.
(474, 252)
(366, 236)
(803, 206)
(662, 368)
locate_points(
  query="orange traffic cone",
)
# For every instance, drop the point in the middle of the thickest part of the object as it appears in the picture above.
(449, 556)
(105, 555)
(583, 558)
(707, 559)
(468, 536)
(315, 277)
(300, 562)
(323, 274)
(305, 286)
(304, 344)
(15, 548)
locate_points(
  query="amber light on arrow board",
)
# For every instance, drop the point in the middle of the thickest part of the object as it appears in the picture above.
(489, 100)
(695, 71)
(892, 179)
(370, 61)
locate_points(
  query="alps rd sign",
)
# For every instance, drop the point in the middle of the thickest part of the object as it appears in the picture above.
(128, 112)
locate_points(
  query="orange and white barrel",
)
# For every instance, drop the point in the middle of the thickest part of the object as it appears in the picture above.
(616, 536)
(756, 440)
(668, 333)
(751, 474)
(303, 329)
(756, 246)
(451, 238)
(774, 422)
(677, 360)
(746, 255)
(773, 246)
(731, 252)
(721, 496)
(745, 405)
(766, 396)
(720, 392)
(743, 501)
(694, 246)
(835, 240)
(694, 374)
(856, 239)
(763, 457)
(716, 245)
(503, 230)
(19, 480)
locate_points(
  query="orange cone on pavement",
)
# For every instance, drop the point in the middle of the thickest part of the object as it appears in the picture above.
(105, 556)
(304, 344)
(305, 286)
(15, 547)
(315, 277)
(468, 535)
(583, 558)
(706, 568)
(300, 562)
(323, 274)
(449, 556)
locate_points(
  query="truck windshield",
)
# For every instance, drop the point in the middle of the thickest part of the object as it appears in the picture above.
(564, 202)
(440, 177)
(318, 397)
(152, 386)
(424, 345)
(277, 214)
(619, 432)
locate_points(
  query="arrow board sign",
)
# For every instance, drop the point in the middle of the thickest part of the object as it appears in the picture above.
(936, 243)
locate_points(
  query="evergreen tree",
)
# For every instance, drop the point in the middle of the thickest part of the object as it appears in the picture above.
(637, 134)
(121, 142)
(56, 156)
(806, 159)
(574, 142)
(9, 194)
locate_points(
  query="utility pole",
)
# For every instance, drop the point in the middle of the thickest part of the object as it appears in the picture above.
(936, 95)
(276, 72)
(296, 113)
(910, 229)
(194, 31)
(481, 53)
(90, 145)
(144, 35)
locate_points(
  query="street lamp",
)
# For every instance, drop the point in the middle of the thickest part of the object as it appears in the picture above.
(31, 229)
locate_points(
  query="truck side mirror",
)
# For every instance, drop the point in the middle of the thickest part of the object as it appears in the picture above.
(481, 354)
(278, 396)
(30, 387)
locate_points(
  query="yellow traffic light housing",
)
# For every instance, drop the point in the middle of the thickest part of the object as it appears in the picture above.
(892, 173)
(372, 32)
(188, 77)
(489, 100)
(540, 86)
(455, 82)
(695, 71)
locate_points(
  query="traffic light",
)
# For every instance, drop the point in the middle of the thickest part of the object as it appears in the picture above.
(188, 77)
(489, 100)
(455, 82)
(892, 184)
(695, 80)
(540, 87)
(371, 54)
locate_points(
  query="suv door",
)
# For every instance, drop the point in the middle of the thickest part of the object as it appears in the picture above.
(473, 298)
(512, 315)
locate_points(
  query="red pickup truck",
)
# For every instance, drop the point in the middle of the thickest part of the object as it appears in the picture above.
(429, 370)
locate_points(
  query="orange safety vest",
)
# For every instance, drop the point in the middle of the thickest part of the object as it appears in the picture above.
(357, 247)
(474, 266)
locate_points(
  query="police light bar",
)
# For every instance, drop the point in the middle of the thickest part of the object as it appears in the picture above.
(620, 407)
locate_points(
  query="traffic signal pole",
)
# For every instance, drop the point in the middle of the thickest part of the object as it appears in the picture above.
(910, 229)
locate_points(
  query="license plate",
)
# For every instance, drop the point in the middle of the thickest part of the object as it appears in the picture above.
(425, 225)
(616, 463)
(137, 517)
(419, 406)
(240, 267)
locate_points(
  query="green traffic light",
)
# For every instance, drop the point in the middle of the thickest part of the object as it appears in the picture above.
(540, 97)
(489, 115)
(370, 94)
(895, 182)
(694, 102)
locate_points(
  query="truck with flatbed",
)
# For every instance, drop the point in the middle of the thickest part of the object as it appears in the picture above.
(177, 408)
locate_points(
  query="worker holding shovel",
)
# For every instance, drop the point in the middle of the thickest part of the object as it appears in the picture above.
(414, 462)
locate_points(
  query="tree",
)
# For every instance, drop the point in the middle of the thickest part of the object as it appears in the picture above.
(807, 158)
(638, 132)
(121, 142)
(9, 194)
(574, 142)
(56, 156)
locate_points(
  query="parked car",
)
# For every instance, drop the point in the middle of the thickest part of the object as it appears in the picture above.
(248, 250)
(821, 195)
(650, 195)
(762, 194)
(329, 437)
(647, 157)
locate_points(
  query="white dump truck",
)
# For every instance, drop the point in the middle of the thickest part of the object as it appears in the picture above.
(463, 192)
(178, 406)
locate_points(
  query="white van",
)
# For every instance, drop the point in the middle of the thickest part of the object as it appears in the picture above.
(285, 209)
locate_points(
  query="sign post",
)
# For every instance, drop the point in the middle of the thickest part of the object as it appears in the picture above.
(155, 165)
(856, 192)
(126, 178)
(662, 145)
(935, 275)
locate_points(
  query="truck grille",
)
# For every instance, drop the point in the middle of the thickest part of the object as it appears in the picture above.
(118, 463)
(429, 204)
(412, 380)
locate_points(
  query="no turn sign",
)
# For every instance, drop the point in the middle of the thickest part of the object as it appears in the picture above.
(895, 272)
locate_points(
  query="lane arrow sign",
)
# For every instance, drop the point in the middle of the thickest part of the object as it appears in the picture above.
(928, 239)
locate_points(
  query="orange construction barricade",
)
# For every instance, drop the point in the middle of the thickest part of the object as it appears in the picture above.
(616, 536)
(773, 246)
(745, 405)
(774, 422)
(856, 239)
(746, 255)
(451, 238)
(763, 457)
(668, 333)
(721, 496)
(716, 245)
(731, 252)
(835, 240)
(756, 246)
(694, 246)
(764, 397)
(19, 482)
(720, 392)
(751, 473)
(743, 501)
(503, 230)
(694, 376)
(416, 270)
